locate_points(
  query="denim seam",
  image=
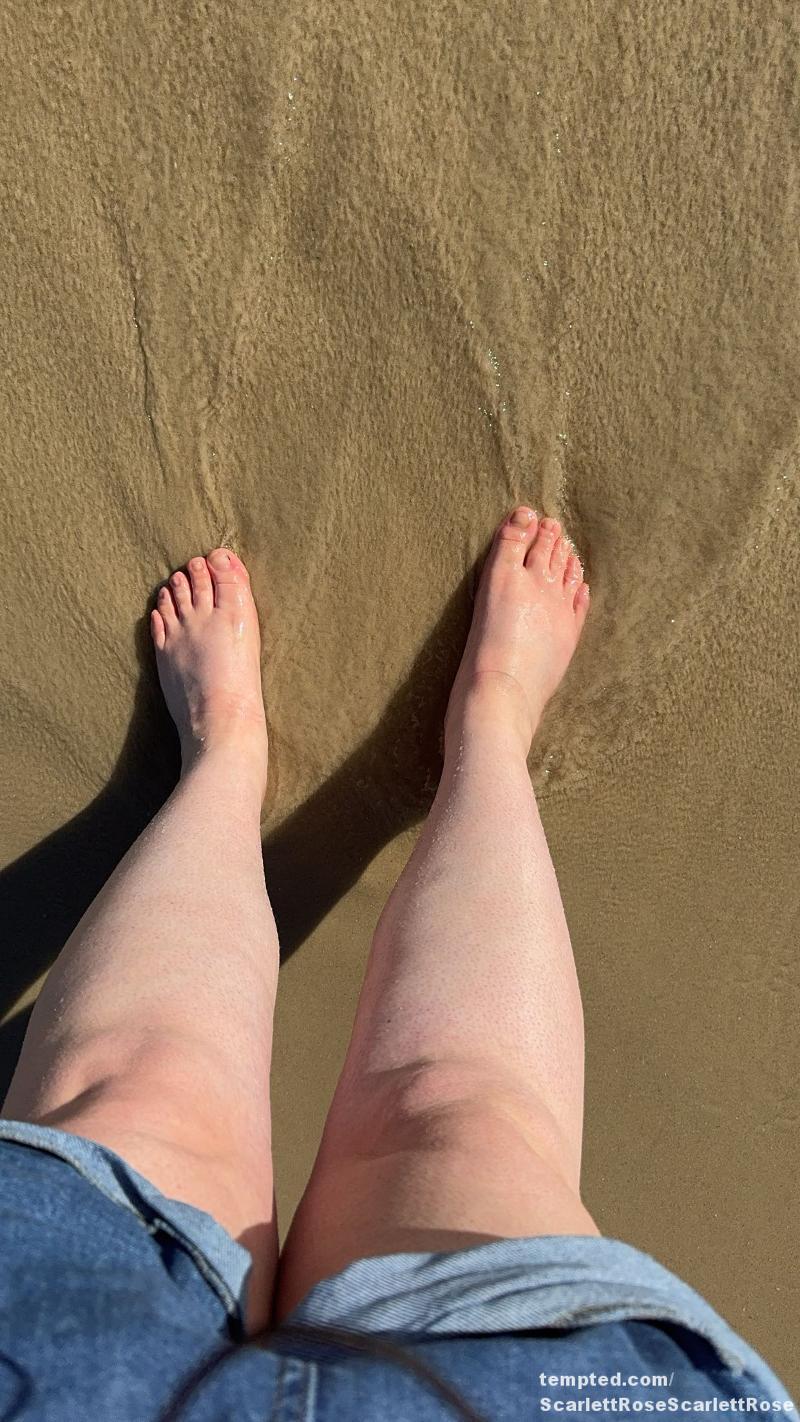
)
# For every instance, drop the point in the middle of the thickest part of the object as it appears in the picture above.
(298, 1391)
(151, 1225)
(205, 1267)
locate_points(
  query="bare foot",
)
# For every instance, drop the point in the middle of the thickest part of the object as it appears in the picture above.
(208, 653)
(529, 613)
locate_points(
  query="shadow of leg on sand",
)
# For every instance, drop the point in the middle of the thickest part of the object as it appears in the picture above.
(311, 860)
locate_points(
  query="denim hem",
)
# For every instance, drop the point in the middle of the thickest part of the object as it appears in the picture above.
(223, 1263)
(516, 1284)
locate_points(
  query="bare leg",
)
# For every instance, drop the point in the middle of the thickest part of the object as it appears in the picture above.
(458, 1114)
(153, 1032)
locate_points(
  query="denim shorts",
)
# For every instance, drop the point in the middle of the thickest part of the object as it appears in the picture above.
(116, 1301)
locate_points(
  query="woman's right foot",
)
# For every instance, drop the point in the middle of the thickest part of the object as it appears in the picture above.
(208, 654)
(529, 614)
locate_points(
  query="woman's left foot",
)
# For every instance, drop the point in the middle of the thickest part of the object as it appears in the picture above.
(208, 653)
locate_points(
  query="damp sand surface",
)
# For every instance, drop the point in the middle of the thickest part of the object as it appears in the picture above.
(337, 285)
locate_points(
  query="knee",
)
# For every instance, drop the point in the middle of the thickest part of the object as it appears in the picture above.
(471, 1108)
(144, 1083)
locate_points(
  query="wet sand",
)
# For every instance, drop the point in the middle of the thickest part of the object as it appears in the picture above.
(337, 288)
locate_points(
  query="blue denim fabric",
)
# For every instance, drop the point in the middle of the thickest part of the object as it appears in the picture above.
(111, 1295)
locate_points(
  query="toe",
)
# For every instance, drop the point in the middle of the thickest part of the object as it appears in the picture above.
(229, 577)
(202, 587)
(573, 572)
(167, 610)
(157, 629)
(538, 556)
(581, 603)
(182, 593)
(516, 532)
(558, 557)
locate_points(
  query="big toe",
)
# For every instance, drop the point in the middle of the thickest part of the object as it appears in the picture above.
(229, 576)
(515, 534)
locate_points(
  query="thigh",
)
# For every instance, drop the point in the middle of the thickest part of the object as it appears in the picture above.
(456, 1174)
(169, 1109)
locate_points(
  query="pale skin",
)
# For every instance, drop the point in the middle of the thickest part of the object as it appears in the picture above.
(458, 1114)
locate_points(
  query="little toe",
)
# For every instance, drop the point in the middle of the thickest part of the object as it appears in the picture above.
(202, 587)
(167, 610)
(157, 629)
(182, 593)
(229, 576)
(538, 555)
(581, 602)
(516, 532)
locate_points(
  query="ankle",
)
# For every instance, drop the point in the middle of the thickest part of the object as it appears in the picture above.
(490, 704)
(239, 760)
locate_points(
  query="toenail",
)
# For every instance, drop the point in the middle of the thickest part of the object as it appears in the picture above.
(176, 580)
(548, 524)
(198, 563)
(221, 559)
(521, 517)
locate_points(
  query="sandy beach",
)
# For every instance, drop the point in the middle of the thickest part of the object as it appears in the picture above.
(337, 285)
